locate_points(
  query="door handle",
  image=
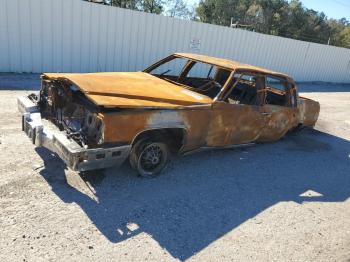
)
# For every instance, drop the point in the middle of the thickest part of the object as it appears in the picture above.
(266, 114)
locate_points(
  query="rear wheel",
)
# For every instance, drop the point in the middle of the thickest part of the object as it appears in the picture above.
(149, 158)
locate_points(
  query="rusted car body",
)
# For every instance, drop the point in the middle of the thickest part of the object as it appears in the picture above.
(185, 102)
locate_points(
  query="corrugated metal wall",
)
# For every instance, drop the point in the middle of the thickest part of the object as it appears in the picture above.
(77, 36)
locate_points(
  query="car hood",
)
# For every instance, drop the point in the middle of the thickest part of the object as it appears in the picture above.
(131, 89)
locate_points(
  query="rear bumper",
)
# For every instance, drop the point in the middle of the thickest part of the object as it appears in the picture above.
(75, 156)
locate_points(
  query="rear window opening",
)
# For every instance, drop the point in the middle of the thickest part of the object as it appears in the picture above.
(276, 92)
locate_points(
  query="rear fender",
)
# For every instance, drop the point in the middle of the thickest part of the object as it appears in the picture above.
(308, 111)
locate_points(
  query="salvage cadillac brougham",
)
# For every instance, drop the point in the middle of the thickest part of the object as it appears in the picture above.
(180, 104)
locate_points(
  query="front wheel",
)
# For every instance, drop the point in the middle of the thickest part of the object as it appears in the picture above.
(149, 158)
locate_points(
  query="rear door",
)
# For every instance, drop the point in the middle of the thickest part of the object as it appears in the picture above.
(279, 109)
(234, 124)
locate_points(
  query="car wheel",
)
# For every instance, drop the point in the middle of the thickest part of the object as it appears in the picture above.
(149, 158)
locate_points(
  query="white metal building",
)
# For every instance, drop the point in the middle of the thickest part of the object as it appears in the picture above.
(79, 36)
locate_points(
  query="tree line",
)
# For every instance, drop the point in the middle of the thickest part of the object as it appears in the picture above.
(275, 17)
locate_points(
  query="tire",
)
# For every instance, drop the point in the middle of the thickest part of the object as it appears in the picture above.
(149, 157)
(133, 154)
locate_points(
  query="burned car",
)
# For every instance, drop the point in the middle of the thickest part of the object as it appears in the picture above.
(178, 105)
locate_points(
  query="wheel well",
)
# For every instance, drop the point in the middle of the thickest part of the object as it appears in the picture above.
(173, 137)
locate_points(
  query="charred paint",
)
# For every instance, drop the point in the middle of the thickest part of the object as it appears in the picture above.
(234, 124)
(124, 127)
(278, 120)
(308, 111)
(131, 90)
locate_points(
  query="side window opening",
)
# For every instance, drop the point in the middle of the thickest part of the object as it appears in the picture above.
(277, 91)
(246, 89)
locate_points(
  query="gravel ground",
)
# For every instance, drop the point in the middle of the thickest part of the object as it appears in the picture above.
(286, 201)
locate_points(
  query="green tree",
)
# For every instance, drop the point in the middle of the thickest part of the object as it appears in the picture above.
(129, 4)
(152, 6)
(149, 6)
(177, 8)
(221, 11)
(254, 15)
(345, 37)
(277, 17)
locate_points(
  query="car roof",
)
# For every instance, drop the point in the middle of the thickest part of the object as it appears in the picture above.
(229, 64)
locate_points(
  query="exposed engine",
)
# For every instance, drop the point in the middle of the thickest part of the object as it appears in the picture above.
(69, 109)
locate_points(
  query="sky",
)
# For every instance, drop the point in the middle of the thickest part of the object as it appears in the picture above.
(332, 8)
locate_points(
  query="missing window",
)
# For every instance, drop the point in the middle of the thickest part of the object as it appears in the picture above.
(245, 89)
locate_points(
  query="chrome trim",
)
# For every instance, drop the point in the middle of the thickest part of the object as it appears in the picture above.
(25, 105)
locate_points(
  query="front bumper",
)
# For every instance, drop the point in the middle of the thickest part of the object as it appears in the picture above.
(75, 156)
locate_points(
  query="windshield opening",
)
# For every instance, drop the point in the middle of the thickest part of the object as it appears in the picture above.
(197, 76)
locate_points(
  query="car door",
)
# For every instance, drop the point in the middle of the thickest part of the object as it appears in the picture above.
(236, 115)
(279, 109)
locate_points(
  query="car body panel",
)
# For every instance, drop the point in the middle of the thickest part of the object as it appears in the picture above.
(278, 120)
(124, 127)
(309, 111)
(234, 124)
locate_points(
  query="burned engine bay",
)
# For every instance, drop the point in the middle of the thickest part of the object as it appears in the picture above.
(63, 104)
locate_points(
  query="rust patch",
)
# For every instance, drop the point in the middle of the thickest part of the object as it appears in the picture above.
(278, 120)
(220, 125)
(197, 121)
(123, 127)
(234, 124)
(308, 111)
(131, 89)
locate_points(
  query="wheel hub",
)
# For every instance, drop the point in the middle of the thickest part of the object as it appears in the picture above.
(151, 157)
(155, 160)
